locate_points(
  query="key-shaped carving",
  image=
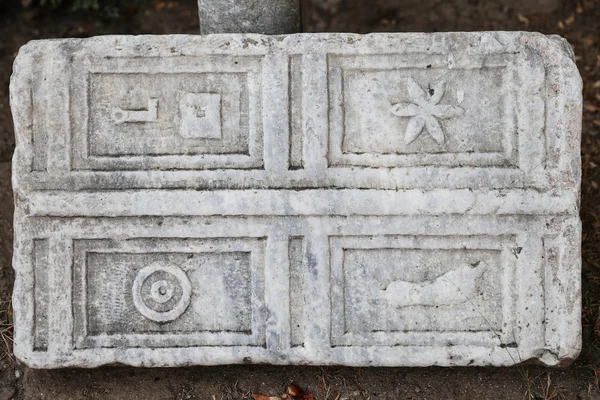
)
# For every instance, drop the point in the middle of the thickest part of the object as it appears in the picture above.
(120, 116)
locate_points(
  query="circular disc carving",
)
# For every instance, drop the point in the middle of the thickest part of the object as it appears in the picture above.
(161, 292)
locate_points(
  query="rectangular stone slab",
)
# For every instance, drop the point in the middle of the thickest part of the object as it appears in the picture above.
(378, 200)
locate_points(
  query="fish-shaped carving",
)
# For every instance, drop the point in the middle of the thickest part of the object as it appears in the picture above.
(453, 287)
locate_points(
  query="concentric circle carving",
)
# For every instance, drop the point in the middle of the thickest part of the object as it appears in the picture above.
(162, 292)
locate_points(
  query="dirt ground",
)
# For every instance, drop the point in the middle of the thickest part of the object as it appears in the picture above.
(578, 21)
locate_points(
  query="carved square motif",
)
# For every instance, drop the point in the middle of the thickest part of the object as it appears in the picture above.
(200, 116)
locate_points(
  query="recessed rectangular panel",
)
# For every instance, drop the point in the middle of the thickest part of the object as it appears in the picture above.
(395, 107)
(41, 294)
(168, 114)
(391, 290)
(298, 272)
(200, 292)
(422, 290)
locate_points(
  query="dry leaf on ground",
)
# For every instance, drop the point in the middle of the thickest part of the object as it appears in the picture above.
(294, 390)
(590, 107)
(523, 19)
(570, 20)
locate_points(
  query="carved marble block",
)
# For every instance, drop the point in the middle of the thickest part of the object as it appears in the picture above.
(379, 200)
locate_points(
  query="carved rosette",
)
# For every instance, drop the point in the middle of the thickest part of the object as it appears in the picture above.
(161, 292)
(425, 112)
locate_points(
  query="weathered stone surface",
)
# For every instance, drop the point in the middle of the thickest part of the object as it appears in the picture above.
(269, 17)
(389, 199)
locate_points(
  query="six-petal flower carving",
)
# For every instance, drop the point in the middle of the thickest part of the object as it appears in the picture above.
(425, 111)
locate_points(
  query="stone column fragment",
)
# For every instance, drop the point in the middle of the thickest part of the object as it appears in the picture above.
(269, 17)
